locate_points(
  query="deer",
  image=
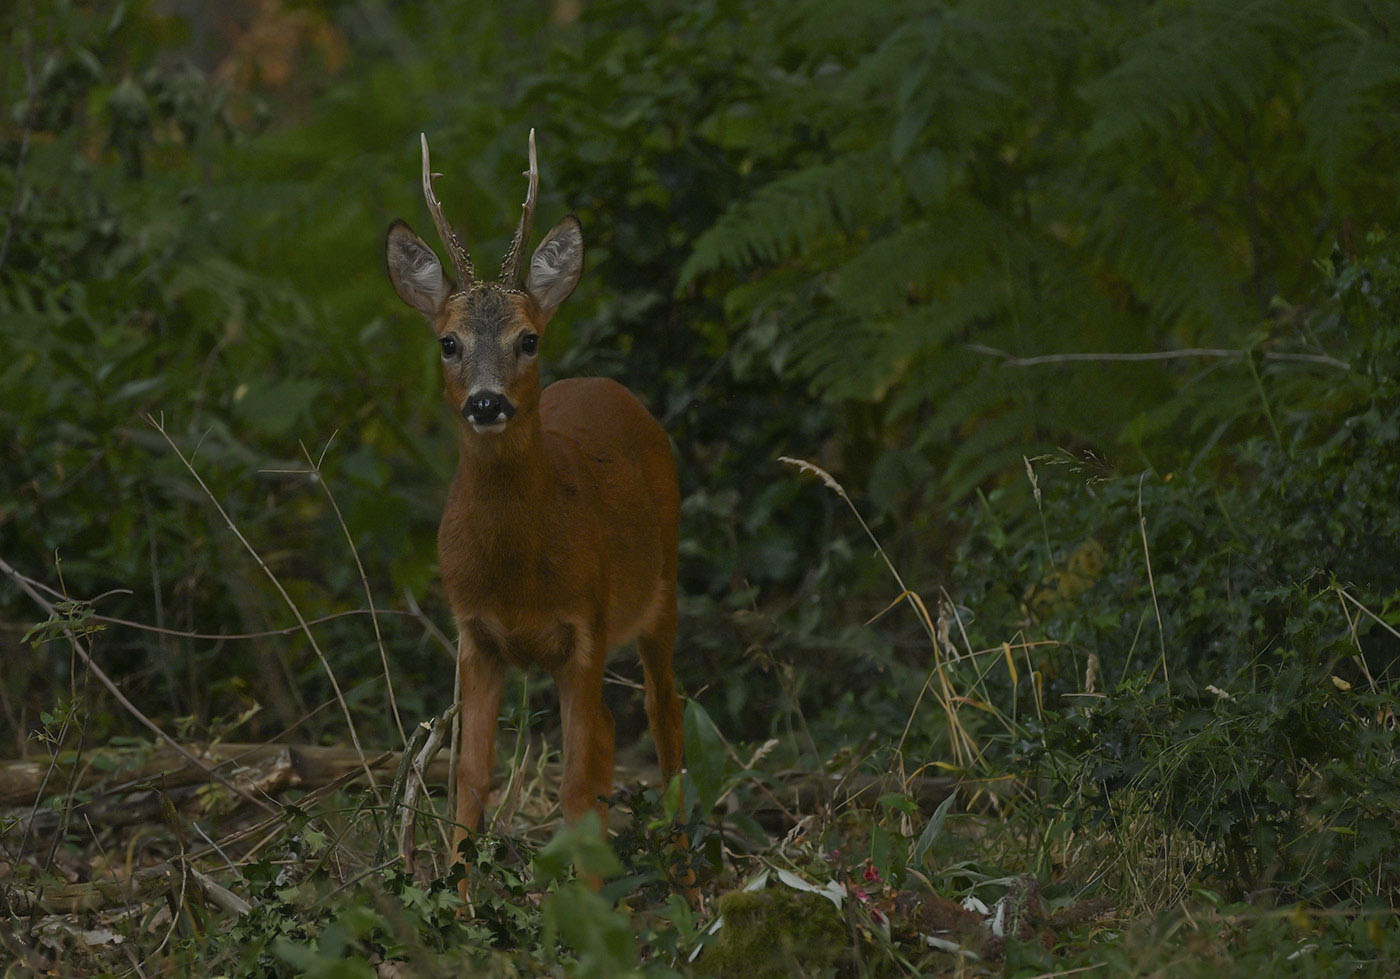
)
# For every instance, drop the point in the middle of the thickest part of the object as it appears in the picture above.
(558, 541)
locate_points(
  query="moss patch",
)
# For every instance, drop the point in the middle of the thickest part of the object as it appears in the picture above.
(776, 933)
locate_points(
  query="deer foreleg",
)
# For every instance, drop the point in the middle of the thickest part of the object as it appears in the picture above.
(483, 677)
(588, 731)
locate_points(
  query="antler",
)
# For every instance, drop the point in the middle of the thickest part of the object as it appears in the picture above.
(510, 267)
(461, 261)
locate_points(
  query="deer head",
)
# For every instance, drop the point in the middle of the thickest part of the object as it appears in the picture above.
(488, 332)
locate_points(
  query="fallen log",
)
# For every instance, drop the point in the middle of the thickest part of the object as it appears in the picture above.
(94, 895)
(117, 770)
(22, 896)
(267, 767)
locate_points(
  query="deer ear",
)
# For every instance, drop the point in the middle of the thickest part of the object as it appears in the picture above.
(414, 270)
(556, 266)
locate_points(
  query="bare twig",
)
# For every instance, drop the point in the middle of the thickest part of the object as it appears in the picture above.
(310, 799)
(965, 748)
(399, 788)
(121, 698)
(416, 783)
(149, 883)
(38, 795)
(1011, 360)
(414, 610)
(179, 864)
(217, 894)
(1379, 621)
(1359, 659)
(506, 809)
(451, 650)
(307, 766)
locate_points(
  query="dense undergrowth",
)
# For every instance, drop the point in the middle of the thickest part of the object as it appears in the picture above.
(1140, 616)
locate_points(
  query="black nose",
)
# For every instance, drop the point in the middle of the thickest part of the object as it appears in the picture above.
(487, 408)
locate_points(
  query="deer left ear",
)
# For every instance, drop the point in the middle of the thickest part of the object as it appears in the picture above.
(556, 266)
(414, 270)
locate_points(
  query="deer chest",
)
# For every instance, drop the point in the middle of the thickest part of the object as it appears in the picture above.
(523, 645)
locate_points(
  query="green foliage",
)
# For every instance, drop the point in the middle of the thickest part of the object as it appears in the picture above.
(1234, 941)
(211, 286)
(976, 177)
(300, 924)
(1247, 681)
(529, 912)
(770, 203)
(119, 300)
(844, 232)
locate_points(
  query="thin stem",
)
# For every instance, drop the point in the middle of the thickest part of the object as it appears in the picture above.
(964, 749)
(364, 581)
(301, 621)
(1264, 400)
(220, 636)
(1152, 585)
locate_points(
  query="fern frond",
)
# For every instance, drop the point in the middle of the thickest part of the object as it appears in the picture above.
(853, 358)
(907, 265)
(1203, 60)
(793, 212)
(1352, 81)
(1172, 260)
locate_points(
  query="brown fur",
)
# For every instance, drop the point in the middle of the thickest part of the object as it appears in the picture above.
(558, 544)
(558, 541)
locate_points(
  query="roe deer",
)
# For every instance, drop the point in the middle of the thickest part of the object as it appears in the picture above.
(558, 542)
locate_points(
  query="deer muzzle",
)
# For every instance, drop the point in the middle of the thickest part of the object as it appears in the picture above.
(488, 411)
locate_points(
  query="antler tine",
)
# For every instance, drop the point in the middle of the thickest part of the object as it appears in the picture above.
(510, 268)
(456, 254)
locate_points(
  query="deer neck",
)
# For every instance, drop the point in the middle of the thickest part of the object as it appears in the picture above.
(503, 483)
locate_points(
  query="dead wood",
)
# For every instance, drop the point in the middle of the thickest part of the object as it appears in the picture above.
(263, 767)
(140, 888)
(266, 768)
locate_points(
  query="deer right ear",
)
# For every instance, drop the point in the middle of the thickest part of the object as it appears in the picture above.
(414, 270)
(556, 266)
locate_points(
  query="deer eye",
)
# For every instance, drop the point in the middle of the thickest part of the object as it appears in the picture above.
(449, 346)
(529, 343)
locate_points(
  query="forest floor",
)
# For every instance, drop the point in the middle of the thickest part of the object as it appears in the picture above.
(281, 860)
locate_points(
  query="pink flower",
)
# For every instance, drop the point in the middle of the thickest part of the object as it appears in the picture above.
(871, 873)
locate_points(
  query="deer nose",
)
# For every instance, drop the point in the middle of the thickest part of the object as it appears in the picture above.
(487, 408)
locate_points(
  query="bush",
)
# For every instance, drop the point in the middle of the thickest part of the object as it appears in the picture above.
(1245, 683)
